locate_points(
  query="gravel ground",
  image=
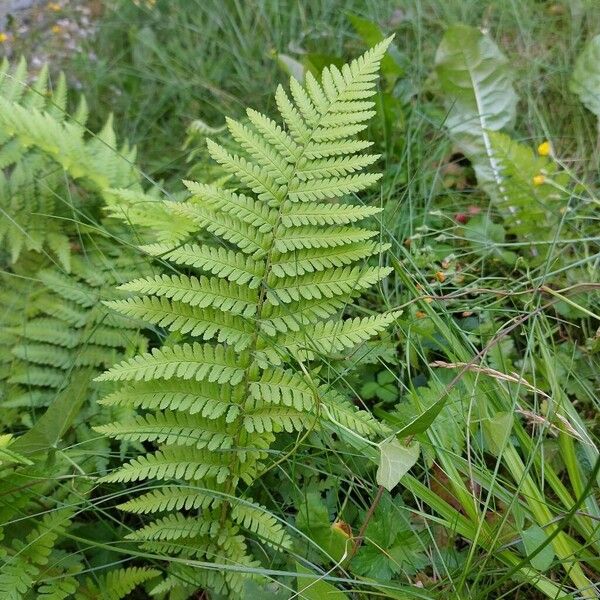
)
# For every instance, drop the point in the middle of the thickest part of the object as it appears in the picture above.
(46, 32)
(13, 8)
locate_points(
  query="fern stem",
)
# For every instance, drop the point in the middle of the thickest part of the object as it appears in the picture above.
(263, 294)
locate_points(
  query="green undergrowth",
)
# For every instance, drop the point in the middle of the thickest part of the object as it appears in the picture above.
(441, 441)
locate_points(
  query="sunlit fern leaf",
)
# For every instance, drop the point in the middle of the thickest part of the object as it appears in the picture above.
(202, 292)
(308, 261)
(222, 262)
(198, 361)
(204, 323)
(211, 400)
(270, 293)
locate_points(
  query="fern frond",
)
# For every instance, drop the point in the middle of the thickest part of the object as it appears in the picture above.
(222, 262)
(211, 400)
(20, 571)
(236, 231)
(275, 135)
(203, 323)
(310, 260)
(286, 264)
(330, 187)
(144, 210)
(243, 207)
(58, 590)
(325, 214)
(265, 418)
(528, 210)
(175, 428)
(330, 337)
(170, 499)
(257, 178)
(116, 584)
(341, 412)
(295, 315)
(305, 237)
(261, 151)
(174, 527)
(281, 386)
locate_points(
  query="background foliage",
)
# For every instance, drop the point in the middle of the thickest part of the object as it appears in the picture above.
(487, 129)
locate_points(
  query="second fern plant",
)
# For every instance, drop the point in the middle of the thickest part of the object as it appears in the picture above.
(263, 308)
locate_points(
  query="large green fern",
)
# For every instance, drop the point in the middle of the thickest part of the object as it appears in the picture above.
(286, 264)
(59, 259)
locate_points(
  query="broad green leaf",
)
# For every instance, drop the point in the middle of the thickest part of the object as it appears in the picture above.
(395, 460)
(53, 424)
(487, 238)
(478, 87)
(496, 431)
(585, 81)
(423, 421)
(316, 589)
(533, 537)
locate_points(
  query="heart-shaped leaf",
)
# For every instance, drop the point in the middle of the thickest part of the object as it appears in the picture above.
(533, 537)
(395, 460)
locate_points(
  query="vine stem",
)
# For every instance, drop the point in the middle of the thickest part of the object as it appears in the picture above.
(363, 529)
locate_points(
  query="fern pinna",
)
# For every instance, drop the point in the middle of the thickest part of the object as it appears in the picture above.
(270, 297)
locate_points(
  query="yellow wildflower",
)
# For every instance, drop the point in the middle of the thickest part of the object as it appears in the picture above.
(55, 6)
(441, 277)
(544, 149)
(56, 29)
(538, 179)
(3, 37)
